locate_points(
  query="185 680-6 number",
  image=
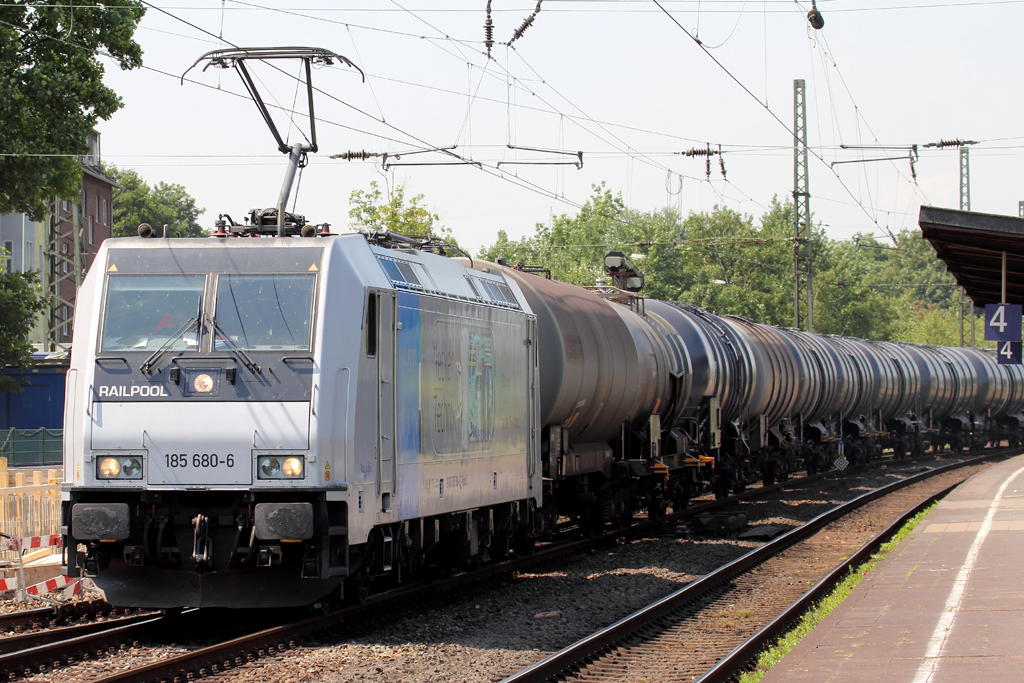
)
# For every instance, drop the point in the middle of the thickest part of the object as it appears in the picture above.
(199, 460)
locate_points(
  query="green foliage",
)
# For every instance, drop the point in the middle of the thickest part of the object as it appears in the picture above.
(136, 202)
(371, 210)
(727, 263)
(21, 300)
(52, 91)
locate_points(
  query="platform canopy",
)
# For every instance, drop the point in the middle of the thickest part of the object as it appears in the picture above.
(972, 246)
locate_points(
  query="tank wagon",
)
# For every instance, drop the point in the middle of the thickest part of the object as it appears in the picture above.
(276, 421)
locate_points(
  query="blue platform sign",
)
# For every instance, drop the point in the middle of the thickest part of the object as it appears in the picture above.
(1002, 322)
(1009, 353)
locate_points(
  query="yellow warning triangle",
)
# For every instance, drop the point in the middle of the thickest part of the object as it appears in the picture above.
(327, 466)
(112, 268)
(313, 267)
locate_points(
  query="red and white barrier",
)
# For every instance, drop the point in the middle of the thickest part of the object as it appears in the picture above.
(31, 543)
(77, 587)
(47, 586)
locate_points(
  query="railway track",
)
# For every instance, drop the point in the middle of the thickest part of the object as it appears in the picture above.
(67, 646)
(43, 617)
(673, 636)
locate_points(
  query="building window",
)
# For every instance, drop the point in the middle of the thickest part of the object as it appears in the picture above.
(29, 253)
(65, 205)
(9, 246)
(92, 236)
(103, 216)
(64, 317)
(64, 261)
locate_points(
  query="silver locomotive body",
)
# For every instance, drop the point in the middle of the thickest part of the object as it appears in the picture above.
(256, 421)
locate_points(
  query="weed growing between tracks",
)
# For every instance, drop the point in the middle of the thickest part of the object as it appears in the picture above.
(774, 654)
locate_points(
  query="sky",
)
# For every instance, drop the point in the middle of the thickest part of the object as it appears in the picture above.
(632, 84)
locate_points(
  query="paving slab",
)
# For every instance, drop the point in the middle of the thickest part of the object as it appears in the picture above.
(946, 605)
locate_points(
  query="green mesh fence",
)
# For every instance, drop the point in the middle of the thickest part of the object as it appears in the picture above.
(31, 446)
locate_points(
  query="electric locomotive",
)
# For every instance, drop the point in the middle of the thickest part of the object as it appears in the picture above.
(276, 421)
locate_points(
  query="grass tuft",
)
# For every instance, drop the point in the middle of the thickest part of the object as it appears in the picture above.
(816, 614)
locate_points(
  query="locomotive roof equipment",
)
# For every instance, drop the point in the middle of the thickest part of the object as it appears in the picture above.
(285, 224)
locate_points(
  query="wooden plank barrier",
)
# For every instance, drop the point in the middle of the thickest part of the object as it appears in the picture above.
(31, 507)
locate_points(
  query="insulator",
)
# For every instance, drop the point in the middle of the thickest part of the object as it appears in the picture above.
(721, 163)
(708, 165)
(942, 144)
(522, 29)
(698, 152)
(489, 30)
(357, 155)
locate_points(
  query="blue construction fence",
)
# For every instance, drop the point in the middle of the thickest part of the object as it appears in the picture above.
(32, 420)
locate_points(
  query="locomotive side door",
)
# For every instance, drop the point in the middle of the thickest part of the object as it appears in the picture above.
(386, 425)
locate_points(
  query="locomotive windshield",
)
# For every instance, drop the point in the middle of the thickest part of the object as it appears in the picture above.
(265, 312)
(144, 312)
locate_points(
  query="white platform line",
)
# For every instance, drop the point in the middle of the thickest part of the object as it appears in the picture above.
(956, 594)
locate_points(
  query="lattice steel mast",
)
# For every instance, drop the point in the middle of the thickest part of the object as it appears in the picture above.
(803, 292)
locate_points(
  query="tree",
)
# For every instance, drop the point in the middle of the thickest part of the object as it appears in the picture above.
(372, 211)
(52, 92)
(136, 202)
(729, 264)
(21, 300)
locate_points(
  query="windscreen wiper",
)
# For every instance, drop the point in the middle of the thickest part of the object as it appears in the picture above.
(237, 352)
(147, 365)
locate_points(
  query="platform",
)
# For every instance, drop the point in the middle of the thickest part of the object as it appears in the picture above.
(946, 605)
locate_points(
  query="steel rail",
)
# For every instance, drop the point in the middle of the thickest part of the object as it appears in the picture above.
(222, 656)
(25, 617)
(58, 613)
(574, 655)
(29, 660)
(731, 664)
(55, 635)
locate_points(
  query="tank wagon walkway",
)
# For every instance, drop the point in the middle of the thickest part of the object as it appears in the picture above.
(946, 605)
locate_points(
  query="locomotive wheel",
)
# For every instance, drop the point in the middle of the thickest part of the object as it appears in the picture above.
(357, 590)
(524, 544)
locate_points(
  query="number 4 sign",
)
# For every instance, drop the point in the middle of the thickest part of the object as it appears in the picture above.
(1002, 322)
(1009, 353)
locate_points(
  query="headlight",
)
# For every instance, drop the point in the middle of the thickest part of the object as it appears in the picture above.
(131, 468)
(280, 466)
(270, 467)
(203, 384)
(123, 467)
(293, 467)
(109, 468)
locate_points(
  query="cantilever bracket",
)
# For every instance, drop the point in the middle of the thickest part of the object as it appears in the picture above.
(578, 163)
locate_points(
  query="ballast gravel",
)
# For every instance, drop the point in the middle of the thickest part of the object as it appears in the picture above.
(495, 631)
(498, 628)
